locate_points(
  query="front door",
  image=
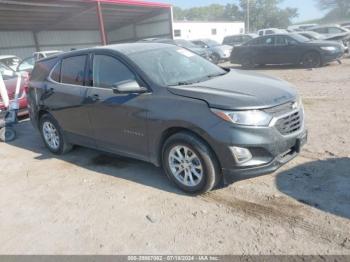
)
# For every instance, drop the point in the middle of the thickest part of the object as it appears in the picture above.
(118, 120)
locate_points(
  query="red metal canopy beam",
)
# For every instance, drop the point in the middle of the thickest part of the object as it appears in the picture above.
(134, 3)
(101, 23)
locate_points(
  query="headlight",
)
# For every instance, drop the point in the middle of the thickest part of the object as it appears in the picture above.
(329, 48)
(247, 118)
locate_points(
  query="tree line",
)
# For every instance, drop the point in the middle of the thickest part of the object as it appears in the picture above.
(263, 13)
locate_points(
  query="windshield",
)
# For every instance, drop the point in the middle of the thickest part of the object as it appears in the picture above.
(300, 38)
(211, 43)
(314, 35)
(6, 72)
(186, 44)
(12, 61)
(172, 66)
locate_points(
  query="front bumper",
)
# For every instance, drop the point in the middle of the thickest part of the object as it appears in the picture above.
(270, 147)
(329, 57)
(238, 173)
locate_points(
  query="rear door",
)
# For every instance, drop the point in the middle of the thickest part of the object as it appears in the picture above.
(118, 120)
(65, 98)
(265, 50)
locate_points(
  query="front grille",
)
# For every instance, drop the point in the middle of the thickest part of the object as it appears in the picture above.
(291, 123)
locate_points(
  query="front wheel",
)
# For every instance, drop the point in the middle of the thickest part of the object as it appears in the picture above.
(7, 134)
(311, 60)
(248, 63)
(52, 136)
(190, 163)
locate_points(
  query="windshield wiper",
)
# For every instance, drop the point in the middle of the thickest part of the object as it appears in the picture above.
(216, 75)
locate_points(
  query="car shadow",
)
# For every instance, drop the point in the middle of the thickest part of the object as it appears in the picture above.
(322, 184)
(109, 164)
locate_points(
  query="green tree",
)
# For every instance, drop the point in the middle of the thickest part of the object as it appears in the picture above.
(267, 13)
(338, 9)
(263, 13)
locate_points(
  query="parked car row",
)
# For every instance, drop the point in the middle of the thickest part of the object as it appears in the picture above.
(290, 48)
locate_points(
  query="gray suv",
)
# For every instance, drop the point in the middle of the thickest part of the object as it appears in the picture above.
(168, 106)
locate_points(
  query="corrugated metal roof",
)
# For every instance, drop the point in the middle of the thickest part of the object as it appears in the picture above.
(40, 15)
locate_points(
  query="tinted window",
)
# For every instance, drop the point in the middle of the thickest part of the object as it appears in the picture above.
(268, 41)
(269, 32)
(280, 40)
(321, 30)
(261, 33)
(334, 30)
(73, 70)
(108, 71)
(56, 73)
(228, 40)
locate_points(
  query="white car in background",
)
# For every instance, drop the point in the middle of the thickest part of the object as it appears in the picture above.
(301, 27)
(10, 61)
(28, 63)
(271, 31)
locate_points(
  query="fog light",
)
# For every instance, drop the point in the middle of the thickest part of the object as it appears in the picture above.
(241, 154)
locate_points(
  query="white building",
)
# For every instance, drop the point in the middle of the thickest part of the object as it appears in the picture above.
(191, 30)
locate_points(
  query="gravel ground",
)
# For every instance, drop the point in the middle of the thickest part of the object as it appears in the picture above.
(90, 203)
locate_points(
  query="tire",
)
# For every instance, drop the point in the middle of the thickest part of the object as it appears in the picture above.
(7, 134)
(215, 58)
(248, 63)
(311, 60)
(199, 163)
(52, 136)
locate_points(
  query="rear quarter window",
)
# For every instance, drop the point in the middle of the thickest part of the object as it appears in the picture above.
(73, 70)
(42, 69)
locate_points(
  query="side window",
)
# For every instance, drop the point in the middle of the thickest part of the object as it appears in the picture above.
(261, 32)
(108, 71)
(290, 41)
(56, 73)
(334, 30)
(280, 40)
(73, 70)
(269, 32)
(177, 33)
(269, 41)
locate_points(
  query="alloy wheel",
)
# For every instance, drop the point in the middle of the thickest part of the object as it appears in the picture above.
(51, 135)
(185, 166)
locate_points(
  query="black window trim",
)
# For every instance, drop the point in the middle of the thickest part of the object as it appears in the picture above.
(89, 76)
(59, 61)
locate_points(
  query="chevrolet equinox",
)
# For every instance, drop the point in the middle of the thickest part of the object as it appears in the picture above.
(168, 106)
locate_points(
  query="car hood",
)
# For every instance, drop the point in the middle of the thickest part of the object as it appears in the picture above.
(239, 90)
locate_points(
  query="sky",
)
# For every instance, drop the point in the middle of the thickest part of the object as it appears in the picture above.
(307, 8)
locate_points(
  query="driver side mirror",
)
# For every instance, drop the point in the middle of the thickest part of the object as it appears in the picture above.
(128, 87)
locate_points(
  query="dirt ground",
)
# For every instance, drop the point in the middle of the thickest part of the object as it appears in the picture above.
(90, 203)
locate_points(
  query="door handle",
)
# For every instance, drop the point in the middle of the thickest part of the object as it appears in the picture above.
(95, 97)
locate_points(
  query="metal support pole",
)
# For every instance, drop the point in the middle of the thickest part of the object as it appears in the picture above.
(36, 42)
(101, 24)
(248, 18)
